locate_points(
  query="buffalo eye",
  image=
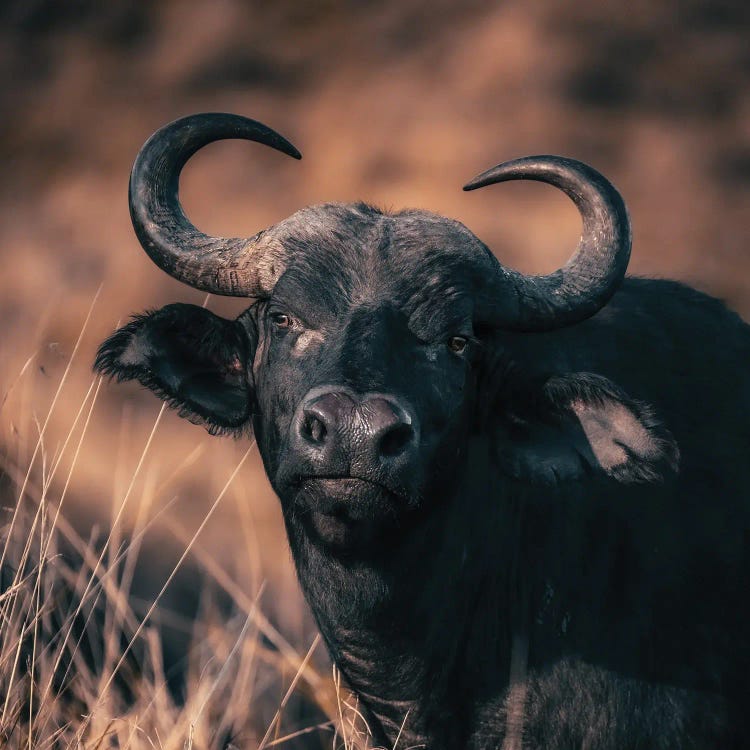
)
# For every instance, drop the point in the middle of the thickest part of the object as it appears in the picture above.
(281, 320)
(457, 344)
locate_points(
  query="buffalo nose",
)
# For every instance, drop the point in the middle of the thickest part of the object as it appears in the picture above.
(322, 416)
(373, 428)
(388, 428)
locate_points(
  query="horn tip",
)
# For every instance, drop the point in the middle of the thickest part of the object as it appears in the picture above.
(479, 181)
(288, 147)
(283, 145)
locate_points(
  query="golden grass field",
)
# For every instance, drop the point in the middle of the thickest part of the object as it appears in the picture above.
(397, 104)
(82, 660)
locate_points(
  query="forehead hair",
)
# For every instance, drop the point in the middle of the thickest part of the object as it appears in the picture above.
(340, 251)
(341, 226)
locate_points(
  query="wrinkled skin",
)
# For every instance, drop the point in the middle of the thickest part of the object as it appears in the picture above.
(544, 502)
(371, 330)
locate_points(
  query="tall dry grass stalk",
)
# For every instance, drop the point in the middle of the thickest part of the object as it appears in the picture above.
(81, 664)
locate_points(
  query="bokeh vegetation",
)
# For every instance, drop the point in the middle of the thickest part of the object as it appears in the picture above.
(395, 103)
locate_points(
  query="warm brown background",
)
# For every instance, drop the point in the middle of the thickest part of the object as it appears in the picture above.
(397, 103)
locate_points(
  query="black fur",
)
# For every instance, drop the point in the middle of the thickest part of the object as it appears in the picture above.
(191, 359)
(583, 489)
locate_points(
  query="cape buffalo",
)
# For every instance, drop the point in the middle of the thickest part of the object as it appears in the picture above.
(518, 506)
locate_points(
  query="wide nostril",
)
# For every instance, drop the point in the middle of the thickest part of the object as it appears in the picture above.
(395, 441)
(313, 429)
(371, 431)
(322, 416)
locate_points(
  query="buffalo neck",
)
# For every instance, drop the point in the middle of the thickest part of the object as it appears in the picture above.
(428, 617)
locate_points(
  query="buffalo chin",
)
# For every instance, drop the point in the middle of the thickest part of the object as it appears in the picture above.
(348, 515)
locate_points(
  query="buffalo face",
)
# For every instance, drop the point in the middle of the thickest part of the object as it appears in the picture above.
(362, 381)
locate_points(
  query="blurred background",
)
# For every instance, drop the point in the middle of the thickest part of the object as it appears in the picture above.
(394, 103)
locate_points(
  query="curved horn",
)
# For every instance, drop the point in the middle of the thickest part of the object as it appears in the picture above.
(592, 275)
(232, 266)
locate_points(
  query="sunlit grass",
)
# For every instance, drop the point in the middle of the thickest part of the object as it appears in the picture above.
(81, 662)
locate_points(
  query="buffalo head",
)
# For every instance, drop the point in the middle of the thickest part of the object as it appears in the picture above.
(377, 344)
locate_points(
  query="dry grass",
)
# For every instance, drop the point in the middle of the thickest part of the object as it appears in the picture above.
(81, 663)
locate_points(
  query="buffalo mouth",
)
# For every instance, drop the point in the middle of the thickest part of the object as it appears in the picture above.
(343, 511)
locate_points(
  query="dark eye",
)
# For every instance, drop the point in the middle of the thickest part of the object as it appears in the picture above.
(457, 344)
(281, 320)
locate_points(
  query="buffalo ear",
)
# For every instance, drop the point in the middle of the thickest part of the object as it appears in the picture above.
(582, 424)
(194, 360)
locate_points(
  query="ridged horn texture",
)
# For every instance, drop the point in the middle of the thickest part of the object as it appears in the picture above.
(594, 272)
(242, 267)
